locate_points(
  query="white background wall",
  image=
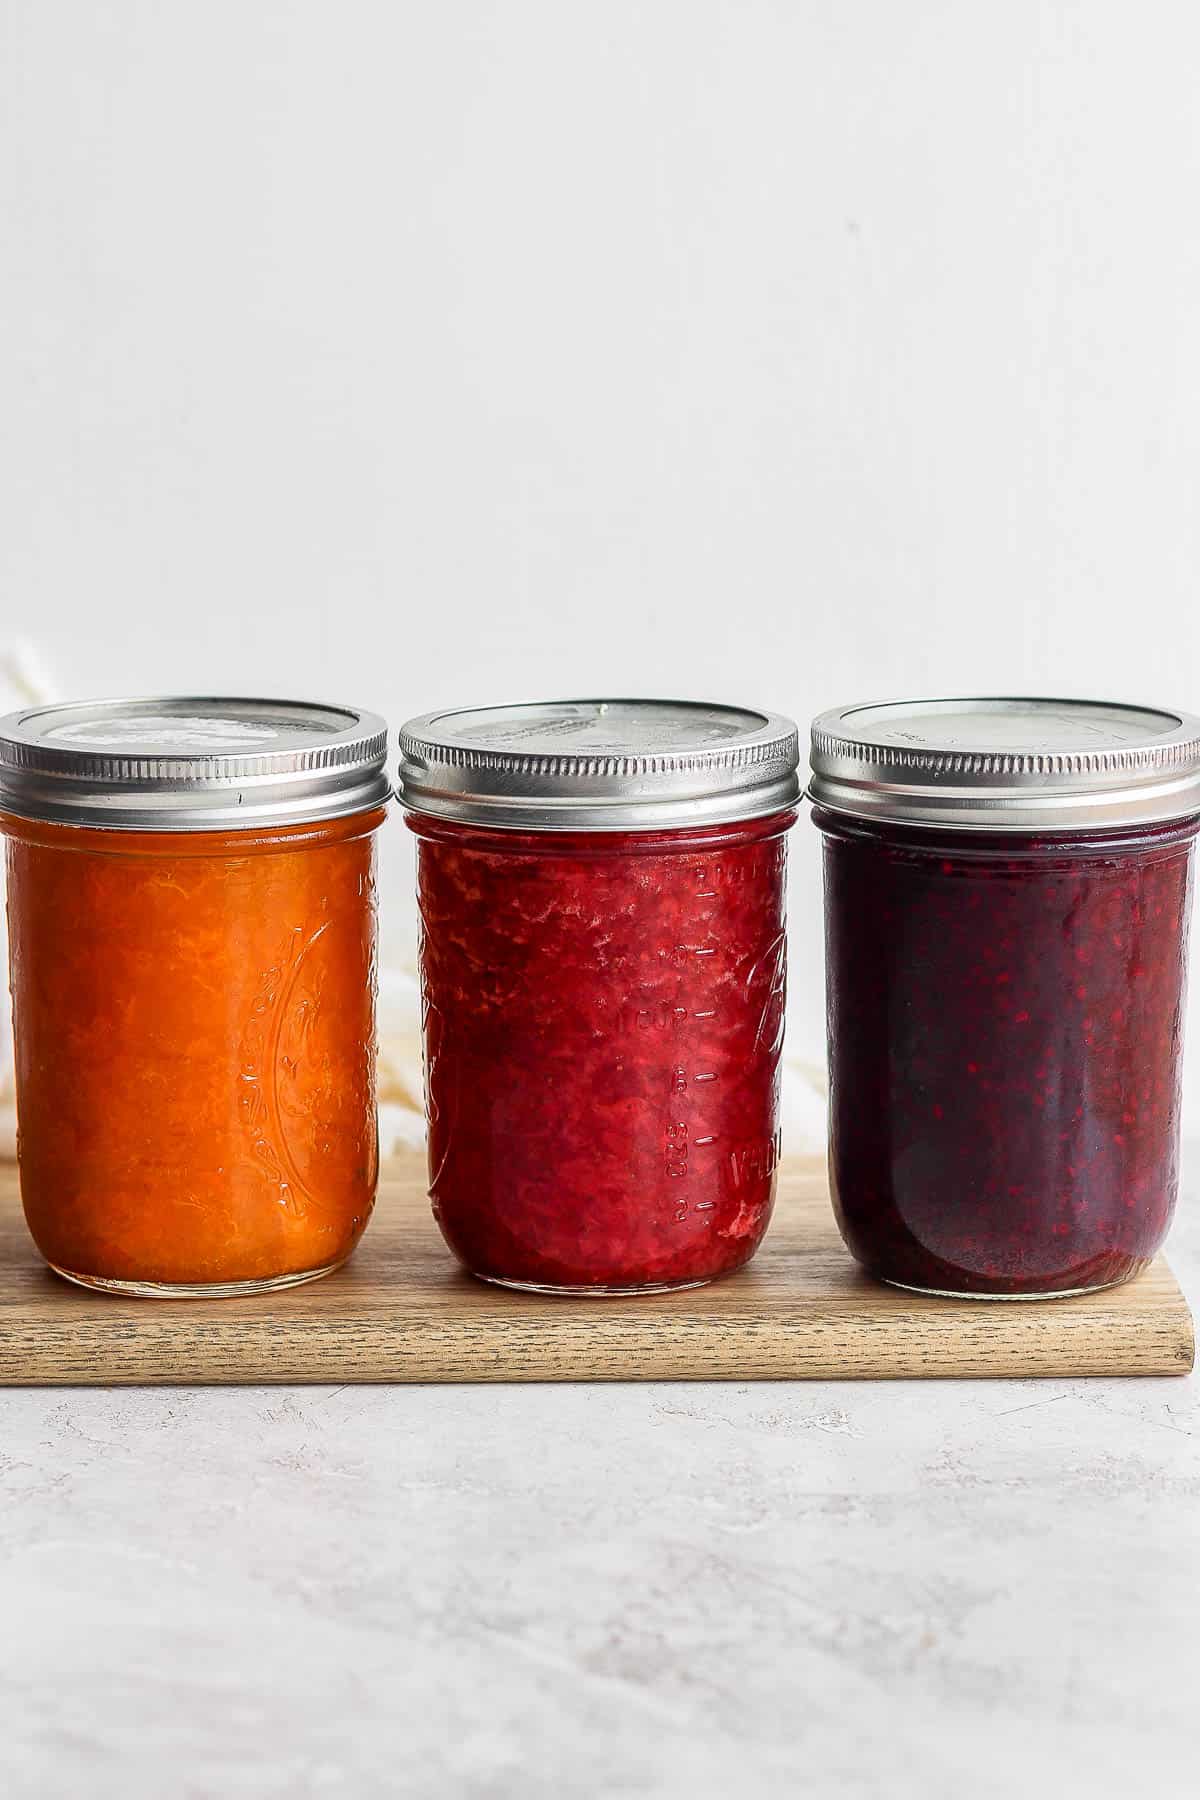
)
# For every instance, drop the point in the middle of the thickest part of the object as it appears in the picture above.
(414, 353)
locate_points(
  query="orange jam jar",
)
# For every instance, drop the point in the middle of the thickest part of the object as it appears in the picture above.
(191, 909)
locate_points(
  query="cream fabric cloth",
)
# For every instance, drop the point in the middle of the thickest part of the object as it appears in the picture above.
(23, 681)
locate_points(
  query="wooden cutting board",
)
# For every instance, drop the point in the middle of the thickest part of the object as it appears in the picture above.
(401, 1310)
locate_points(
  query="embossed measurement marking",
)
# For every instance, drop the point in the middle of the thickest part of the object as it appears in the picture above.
(683, 1138)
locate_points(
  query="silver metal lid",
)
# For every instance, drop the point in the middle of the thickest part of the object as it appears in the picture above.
(595, 765)
(1007, 764)
(191, 763)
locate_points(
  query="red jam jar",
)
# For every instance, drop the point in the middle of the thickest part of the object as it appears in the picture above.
(601, 895)
(1007, 894)
(191, 907)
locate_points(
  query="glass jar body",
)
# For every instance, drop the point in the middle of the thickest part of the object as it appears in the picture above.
(194, 1021)
(1005, 1021)
(603, 1021)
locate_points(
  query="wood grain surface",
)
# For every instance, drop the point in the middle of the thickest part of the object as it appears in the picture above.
(402, 1311)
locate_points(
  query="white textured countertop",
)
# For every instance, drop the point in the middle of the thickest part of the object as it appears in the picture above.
(926, 1589)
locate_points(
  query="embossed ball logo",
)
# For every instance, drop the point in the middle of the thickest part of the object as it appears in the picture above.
(293, 1092)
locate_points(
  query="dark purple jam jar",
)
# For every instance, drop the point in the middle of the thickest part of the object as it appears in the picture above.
(1007, 894)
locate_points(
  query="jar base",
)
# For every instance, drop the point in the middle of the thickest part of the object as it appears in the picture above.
(193, 1290)
(1075, 1293)
(593, 1293)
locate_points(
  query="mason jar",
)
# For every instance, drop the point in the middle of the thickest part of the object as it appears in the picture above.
(191, 906)
(1007, 895)
(601, 895)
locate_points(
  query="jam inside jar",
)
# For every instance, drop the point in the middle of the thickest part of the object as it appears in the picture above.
(193, 1009)
(1005, 1034)
(1005, 1014)
(603, 1021)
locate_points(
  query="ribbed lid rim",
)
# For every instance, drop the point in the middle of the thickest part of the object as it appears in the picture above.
(49, 775)
(749, 771)
(1147, 772)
